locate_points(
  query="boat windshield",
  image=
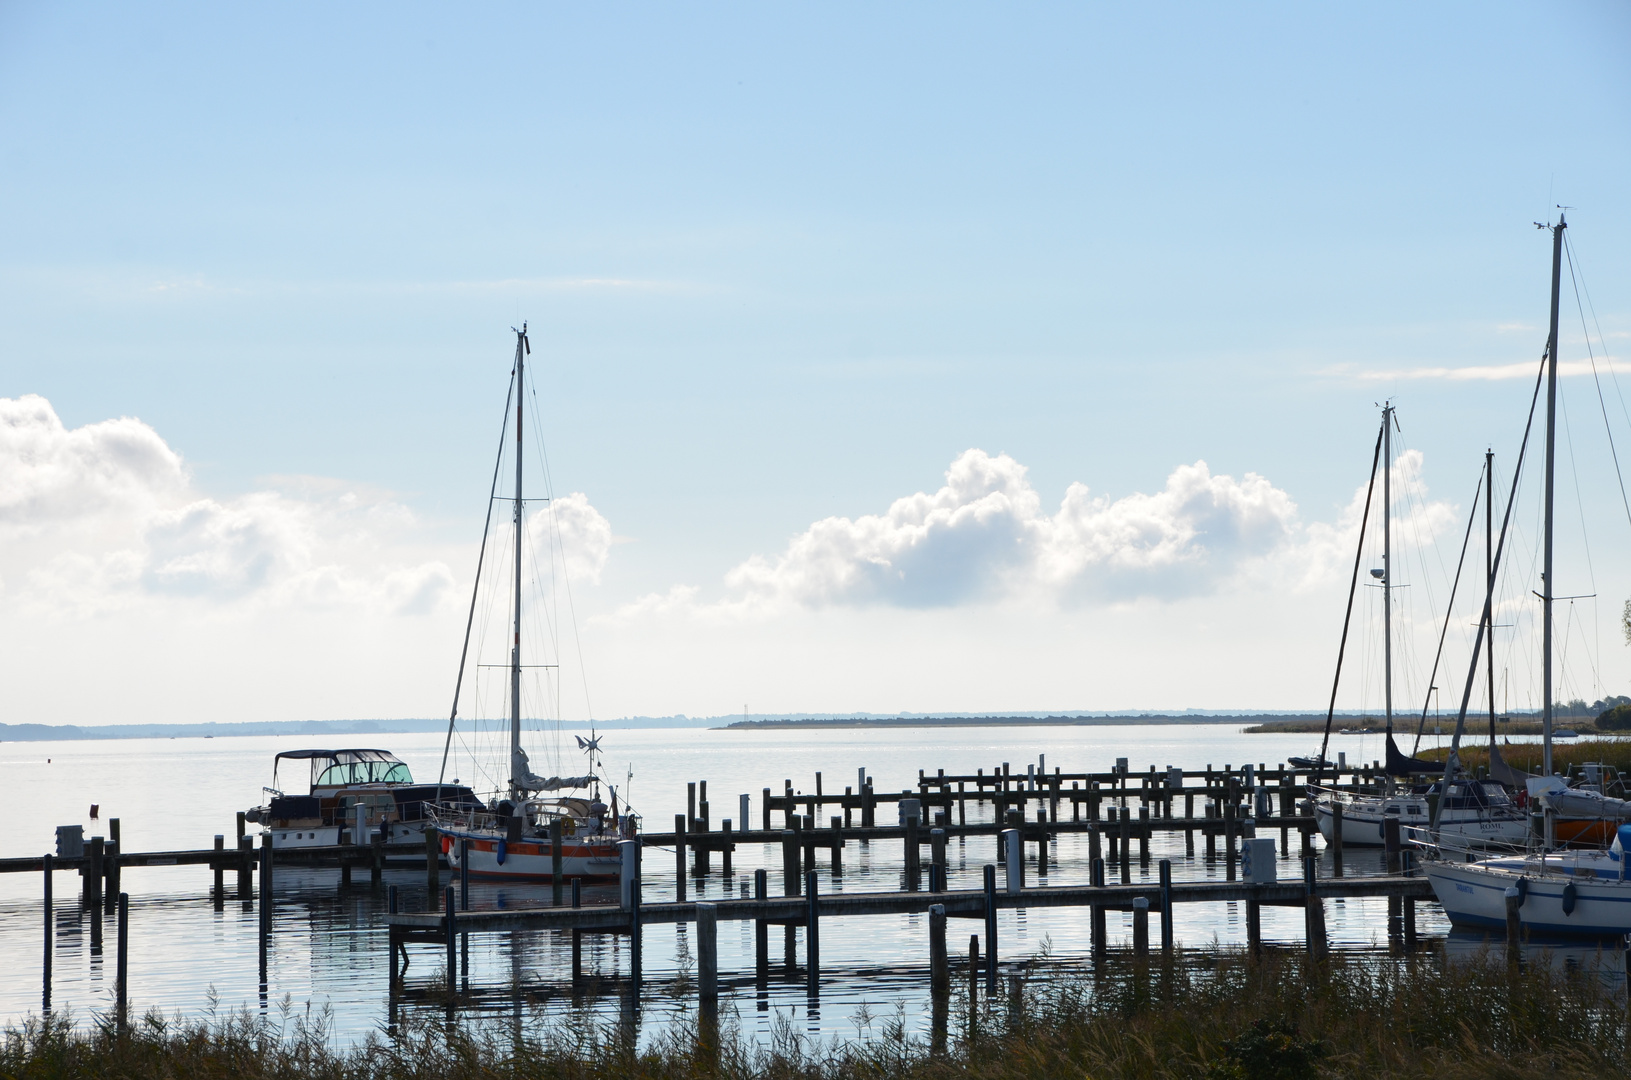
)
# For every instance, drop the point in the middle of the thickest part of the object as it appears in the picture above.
(339, 768)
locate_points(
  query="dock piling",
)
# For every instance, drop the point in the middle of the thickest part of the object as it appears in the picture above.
(218, 889)
(433, 869)
(121, 978)
(1166, 906)
(761, 930)
(990, 928)
(939, 965)
(1141, 925)
(812, 935)
(708, 955)
(45, 967)
(1013, 851)
(679, 853)
(1336, 839)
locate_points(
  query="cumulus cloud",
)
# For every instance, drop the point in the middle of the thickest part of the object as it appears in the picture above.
(574, 532)
(985, 535)
(104, 517)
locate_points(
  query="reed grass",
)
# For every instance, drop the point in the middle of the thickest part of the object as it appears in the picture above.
(1273, 1018)
(1475, 753)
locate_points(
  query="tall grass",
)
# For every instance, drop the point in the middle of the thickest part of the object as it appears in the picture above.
(1280, 1016)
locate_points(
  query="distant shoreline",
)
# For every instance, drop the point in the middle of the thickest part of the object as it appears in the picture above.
(1121, 720)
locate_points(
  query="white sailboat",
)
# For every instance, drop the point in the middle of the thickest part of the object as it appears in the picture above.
(1554, 892)
(515, 836)
(1472, 813)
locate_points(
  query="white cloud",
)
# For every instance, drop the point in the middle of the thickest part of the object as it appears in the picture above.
(104, 517)
(575, 532)
(1526, 369)
(984, 536)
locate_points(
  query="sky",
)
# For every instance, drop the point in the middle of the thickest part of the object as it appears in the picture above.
(917, 358)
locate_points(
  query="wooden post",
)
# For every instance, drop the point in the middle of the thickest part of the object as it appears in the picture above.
(837, 848)
(433, 867)
(1095, 843)
(679, 855)
(1124, 842)
(725, 848)
(761, 929)
(557, 862)
(990, 929)
(973, 971)
(112, 855)
(914, 856)
(241, 821)
(121, 979)
(962, 804)
(939, 965)
(218, 889)
(937, 854)
(1314, 907)
(376, 861)
(1166, 906)
(1254, 922)
(701, 851)
(1141, 925)
(1336, 838)
(93, 877)
(1409, 923)
(766, 809)
(1041, 843)
(1394, 861)
(1144, 835)
(634, 933)
(1100, 944)
(450, 924)
(849, 809)
(464, 874)
(708, 955)
(790, 863)
(45, 967)
(812, 935)
(245, 862)
(691, 802)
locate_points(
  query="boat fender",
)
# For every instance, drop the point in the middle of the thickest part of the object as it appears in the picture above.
(502, 852)
(447, 845)
(1523, 890)
(1570, 895)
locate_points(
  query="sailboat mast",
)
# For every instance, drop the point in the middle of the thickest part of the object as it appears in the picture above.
(1551, 458)
(1489, 575)
(517, 770)
(1387, 563)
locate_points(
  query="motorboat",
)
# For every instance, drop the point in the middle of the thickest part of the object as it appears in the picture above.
(353, 795)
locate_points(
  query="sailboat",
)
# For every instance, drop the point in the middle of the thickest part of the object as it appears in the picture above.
(1472, 812)
(520, 834)
(1554, 892)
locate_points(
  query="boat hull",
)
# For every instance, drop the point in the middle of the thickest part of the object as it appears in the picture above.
(1363, 829)
(1474, 895)
(494, 858)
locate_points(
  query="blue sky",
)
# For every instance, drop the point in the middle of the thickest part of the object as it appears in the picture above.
(780, 265)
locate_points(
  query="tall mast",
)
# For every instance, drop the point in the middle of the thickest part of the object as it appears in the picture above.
(518, 770)
(1489, 575)
(1387, 562)
(1551, 458)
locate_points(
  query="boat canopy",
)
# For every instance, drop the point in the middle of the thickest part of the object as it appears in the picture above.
(338, 768)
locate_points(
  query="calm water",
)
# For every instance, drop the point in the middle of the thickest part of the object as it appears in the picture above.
(329, 948)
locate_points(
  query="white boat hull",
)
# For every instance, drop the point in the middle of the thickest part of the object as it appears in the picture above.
(1474, 894)
(1364, 829)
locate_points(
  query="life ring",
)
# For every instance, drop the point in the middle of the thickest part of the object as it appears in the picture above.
(502, 852)
(1570, 895)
